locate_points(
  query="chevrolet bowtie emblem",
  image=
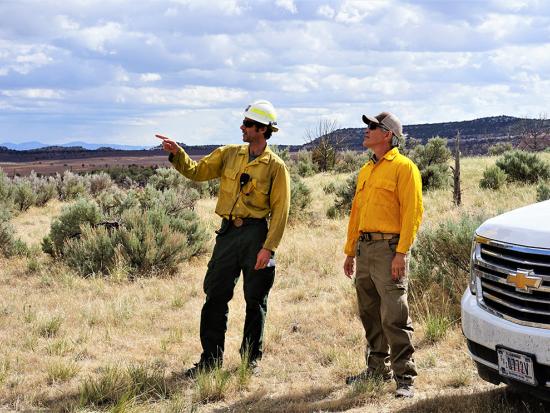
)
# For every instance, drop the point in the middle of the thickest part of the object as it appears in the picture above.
(524, 280)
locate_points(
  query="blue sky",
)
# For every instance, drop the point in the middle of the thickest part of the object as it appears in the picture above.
(120, 71)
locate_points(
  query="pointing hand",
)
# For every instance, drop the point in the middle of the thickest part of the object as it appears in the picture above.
(168, 144)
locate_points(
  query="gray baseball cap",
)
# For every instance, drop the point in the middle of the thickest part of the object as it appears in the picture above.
(388, 120)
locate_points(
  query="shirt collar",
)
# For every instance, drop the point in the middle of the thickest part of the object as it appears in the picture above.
(263, 157)
(390, 155)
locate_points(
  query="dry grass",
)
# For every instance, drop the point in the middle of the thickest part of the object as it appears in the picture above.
(61, 333)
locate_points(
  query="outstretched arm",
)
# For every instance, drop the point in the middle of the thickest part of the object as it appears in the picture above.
(207, 168)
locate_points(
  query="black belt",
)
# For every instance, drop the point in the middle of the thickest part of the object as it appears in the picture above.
(376, 236)
(239, 222)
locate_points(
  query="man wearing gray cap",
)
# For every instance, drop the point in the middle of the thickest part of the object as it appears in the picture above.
(385, 216)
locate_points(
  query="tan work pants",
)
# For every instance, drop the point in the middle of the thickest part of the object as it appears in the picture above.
(384, 310)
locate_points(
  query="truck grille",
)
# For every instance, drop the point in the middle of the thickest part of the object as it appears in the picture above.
(513, 281)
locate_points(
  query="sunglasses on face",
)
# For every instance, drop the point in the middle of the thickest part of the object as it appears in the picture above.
(247, 123)
(373, 126)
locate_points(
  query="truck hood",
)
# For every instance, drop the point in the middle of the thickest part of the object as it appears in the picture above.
(528, 226)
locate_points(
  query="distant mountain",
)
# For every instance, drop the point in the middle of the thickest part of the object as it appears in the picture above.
(26, 146)
(476, 135)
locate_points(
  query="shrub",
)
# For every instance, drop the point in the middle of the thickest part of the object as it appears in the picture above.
(170, 178)
(7, 241)
(6, 189)
(500, 148)
(128, 175)
(525, 167)
(344, 197)
(154, 242)
(9, 245)
(431, 160)
(113, 201)
(329, 188)
(23, 195)
(99, 183)
(351, 161)
(543, 191)
(166, 178)
(68, 225)
(493, 178)
(304, 165)
(45, 188)
(93, 252)
(434, 176)
(300, 197)
(284, 154)
(71, 186)
(213, 187)
(151, 231)
(173, 200)
(323, 155)
(441, 257)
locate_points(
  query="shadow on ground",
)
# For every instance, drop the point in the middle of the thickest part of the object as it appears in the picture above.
(339, 399)
(336, 398)
(499, 400)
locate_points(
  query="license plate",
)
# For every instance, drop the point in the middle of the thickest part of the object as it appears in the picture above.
(516, 366)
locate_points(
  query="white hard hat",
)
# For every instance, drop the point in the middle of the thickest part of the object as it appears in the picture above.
(262, 111)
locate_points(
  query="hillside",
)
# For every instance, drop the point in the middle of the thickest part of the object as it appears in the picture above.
(476, 135)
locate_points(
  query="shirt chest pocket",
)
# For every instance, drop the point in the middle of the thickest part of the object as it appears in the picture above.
(257, 194)
(360, 186)
(384, 192)
(230, 181)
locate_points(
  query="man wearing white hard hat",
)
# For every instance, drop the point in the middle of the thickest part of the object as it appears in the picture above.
(385, 216)
(254, 188)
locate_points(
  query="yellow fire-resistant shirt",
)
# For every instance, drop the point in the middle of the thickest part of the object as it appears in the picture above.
(266, 194)
(388, 199)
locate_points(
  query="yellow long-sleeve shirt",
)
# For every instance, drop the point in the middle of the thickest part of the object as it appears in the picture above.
(266, 194)
(388, 199)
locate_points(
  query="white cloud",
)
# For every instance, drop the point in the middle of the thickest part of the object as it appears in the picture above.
(150, 77)
(118, 68)
(287, 5)
(96, 38)
(23, 58)
(500, 26)
(33, 93)
(228, 7)
(513, 5)
(189, 97)
(355, 11)
(66, 23)
(326, 11)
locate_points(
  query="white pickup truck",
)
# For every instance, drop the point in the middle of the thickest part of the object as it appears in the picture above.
(506, 308)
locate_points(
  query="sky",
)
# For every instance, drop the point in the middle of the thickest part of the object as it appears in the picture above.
(120, 71)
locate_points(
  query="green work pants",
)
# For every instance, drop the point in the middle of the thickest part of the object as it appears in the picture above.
(384, 310)
(235, 251)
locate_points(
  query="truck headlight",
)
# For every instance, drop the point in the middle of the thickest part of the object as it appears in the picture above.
(473, 254)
